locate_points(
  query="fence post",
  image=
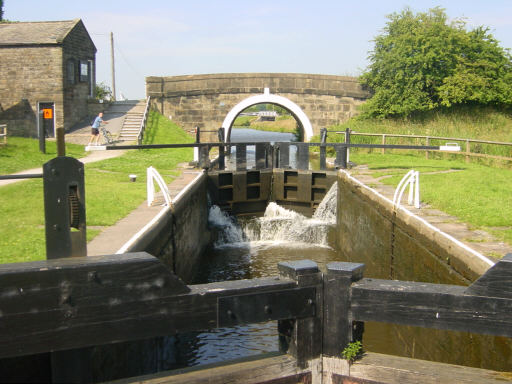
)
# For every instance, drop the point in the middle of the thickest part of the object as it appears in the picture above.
(304, 336)
(468, 151)
(383, 143)
(427, 143)
(222, 162)
(347, 141)
(339, 329)
(323, 140)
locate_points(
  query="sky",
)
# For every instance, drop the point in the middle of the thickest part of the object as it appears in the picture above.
(185, 37)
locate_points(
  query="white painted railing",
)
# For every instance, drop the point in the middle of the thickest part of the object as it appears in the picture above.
(411, 180)
(152, 176)
(142, 128)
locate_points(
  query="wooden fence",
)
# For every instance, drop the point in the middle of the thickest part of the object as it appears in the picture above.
(464, 143)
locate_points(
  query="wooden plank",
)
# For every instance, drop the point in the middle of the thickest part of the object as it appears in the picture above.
(375, 367)
(72, 303)
(496, 282)
(430, 305)
(279, 369)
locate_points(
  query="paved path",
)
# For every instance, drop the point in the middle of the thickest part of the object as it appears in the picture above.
(478, 240)
(111, 239)
(114, 116)
(94, 156)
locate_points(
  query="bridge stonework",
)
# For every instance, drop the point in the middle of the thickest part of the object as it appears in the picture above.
(205, 100)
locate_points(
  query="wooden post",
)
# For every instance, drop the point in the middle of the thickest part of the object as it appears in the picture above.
(323, 140)
(468, 151)
(339, 329)
(222, 162)
(305, 335)
(241, 157)
(427, 143)
(383, 143)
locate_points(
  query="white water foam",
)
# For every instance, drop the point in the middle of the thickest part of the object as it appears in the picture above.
(278, 226)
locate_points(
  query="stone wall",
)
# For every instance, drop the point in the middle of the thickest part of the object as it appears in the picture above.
(29, 75)
(205, 100)
(78, 47)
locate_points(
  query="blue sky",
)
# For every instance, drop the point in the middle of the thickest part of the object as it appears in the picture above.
(168, 37)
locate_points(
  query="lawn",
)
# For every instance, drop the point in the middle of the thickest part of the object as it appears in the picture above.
(476, 194)
(110, 195)
(22, 153)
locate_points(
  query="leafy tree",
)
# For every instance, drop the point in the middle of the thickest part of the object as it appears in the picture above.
(422, 61)
(1, 10)
(102, 92)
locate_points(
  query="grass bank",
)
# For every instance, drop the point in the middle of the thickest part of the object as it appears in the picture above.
(110, 195)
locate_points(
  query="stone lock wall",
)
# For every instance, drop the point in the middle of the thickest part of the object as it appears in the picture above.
(205, 100)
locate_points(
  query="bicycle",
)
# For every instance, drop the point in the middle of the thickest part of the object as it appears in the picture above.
(106, 135)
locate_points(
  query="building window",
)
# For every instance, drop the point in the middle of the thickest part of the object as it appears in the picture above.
(84, 71)
(70, 71)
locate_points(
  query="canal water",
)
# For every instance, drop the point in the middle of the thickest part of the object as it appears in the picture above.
(252, 247)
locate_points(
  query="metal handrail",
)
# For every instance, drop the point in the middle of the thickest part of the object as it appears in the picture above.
(4, 135)
(140, 136)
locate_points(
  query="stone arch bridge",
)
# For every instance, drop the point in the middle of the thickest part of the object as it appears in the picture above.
(213, 100)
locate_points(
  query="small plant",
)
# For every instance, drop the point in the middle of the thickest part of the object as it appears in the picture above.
(353, 351)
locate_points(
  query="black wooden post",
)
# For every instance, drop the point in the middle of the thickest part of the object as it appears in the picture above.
(222, 162)
(347, 152)
(64, 208)
(241, 157)
(323, 140)
(284, 155)
(204, 156)
(339, 329)
(341, 156)
(261, 156)
(305, 335)
(302, 156)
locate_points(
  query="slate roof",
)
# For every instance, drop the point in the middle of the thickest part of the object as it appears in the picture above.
(34, 33)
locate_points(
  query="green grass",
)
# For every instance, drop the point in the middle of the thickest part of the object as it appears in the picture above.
(110, 195)
(482, 123)
(476, 194)
(22, 153)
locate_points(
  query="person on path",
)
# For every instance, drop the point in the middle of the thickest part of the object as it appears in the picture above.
(95, 130)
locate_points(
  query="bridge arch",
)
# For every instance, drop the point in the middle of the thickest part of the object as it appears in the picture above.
(268, 98)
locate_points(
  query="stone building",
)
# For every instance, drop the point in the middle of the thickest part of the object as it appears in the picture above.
(47, 75)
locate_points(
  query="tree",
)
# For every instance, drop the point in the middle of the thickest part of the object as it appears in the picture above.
(421, 62)
(102, 92)
(1, 10)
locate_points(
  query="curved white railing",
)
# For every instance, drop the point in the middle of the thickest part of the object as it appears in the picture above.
(411, 180)
(152, 176)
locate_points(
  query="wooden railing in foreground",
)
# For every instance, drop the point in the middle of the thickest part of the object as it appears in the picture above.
(464, 143)
(71, 303)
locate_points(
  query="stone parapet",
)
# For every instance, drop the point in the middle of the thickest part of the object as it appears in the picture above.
(205, 100)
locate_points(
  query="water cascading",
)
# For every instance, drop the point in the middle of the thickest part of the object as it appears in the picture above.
(278, 226)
